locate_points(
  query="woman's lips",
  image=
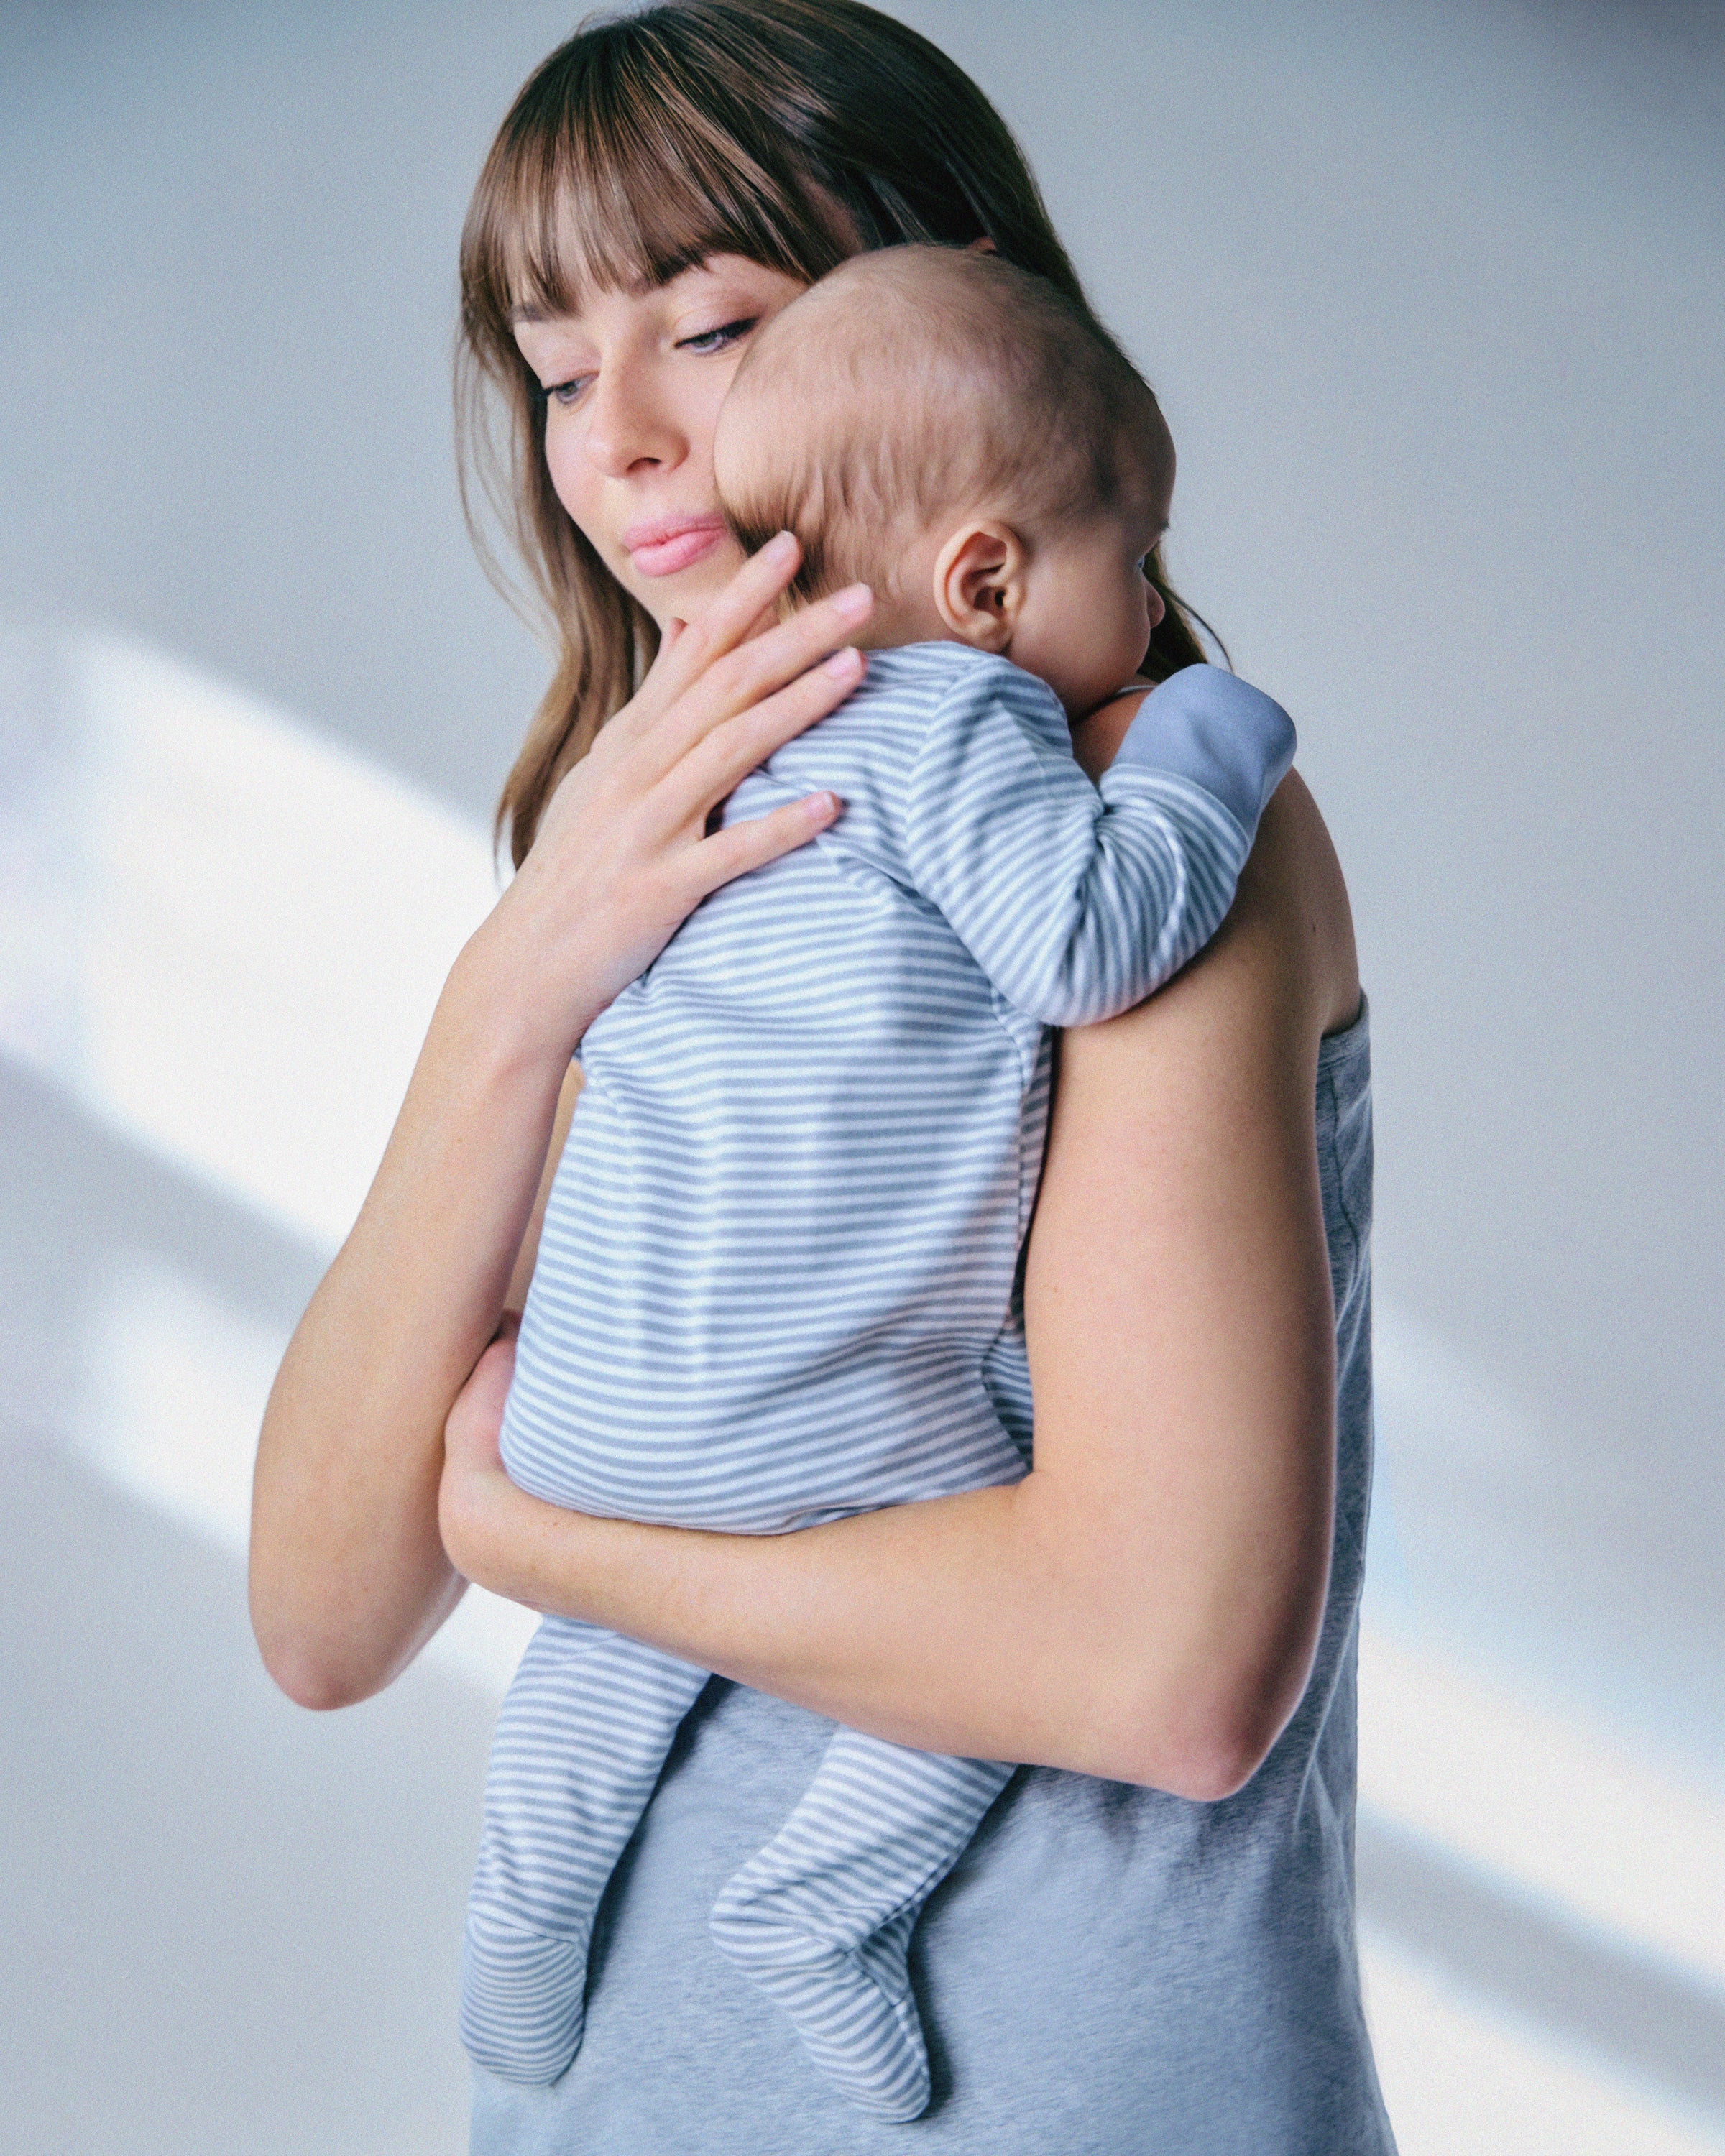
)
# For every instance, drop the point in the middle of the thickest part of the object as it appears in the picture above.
(671, 543)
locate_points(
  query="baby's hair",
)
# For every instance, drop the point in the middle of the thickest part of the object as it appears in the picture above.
(916, 380)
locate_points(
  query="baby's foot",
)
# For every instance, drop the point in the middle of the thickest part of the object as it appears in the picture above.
(521, 1999)
(851, 2005)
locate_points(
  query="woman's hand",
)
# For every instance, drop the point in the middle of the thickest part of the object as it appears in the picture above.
(622, 855)
(473, 1498)
(349, 1577)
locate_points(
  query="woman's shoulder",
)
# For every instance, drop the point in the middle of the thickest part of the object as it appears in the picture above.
(1293, 899)
(1290, 933)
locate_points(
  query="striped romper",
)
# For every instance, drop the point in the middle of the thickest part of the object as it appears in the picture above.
(777, 1281)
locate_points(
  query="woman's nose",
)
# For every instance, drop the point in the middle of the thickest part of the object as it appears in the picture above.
(625, 429)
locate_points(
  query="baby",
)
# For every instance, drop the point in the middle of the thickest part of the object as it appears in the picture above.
(776, 1281)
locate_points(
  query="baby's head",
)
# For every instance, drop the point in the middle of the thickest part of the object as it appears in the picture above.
(959, 435)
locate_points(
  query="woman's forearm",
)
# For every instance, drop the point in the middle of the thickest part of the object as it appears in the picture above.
(959, 1625)
(348, 1575)
(1144, 1611)
(1148, 1615)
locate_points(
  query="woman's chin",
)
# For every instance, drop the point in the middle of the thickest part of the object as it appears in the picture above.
(687, 594)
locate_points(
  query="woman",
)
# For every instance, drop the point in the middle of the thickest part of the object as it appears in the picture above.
(1150, 1944)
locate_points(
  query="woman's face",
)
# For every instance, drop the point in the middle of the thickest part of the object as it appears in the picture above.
(633, 385)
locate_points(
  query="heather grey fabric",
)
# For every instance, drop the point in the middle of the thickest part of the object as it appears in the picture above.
(1107, 1969)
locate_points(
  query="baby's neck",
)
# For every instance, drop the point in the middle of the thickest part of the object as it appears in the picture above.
(899, 618)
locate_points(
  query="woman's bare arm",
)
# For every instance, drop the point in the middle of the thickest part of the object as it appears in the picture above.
(348, 1574)
(1145, 1605)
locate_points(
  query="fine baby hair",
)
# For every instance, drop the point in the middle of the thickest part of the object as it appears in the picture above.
(917, 381)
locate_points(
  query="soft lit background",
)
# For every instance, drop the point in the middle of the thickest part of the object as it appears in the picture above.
(1433, 293)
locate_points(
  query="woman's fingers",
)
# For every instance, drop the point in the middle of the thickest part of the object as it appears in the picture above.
(741, 847)
(755, 669)
(621, 838)
(471, 1431)
(749, 673)
(712, 768)
(751, 593)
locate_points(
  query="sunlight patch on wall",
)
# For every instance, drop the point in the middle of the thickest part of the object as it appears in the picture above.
(1432, 1396)
(225, 936)
(174, 1383)
(1561, 1811)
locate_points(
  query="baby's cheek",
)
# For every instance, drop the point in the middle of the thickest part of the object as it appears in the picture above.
(1127, 643)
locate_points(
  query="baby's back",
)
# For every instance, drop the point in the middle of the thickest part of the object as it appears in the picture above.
(776, 1280)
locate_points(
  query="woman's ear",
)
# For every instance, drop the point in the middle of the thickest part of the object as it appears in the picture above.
(979, 584)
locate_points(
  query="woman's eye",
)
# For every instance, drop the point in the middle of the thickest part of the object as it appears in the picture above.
(703, 343)
(716, 340)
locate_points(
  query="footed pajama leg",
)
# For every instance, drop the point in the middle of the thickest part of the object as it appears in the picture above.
(580, 1742)
(821, 1918)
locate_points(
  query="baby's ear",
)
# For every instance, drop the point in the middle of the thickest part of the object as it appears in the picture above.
(979, 583)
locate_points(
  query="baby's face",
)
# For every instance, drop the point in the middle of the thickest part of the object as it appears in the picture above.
(1088, 609)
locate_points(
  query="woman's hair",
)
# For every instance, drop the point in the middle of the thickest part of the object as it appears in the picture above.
(794, 132)
(914, 384)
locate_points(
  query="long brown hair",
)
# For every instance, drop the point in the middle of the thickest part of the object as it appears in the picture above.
(794, 132)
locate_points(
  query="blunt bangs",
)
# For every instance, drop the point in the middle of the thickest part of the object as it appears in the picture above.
(619, 168)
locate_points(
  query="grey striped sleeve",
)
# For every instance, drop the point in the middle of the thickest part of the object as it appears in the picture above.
(1075, 902)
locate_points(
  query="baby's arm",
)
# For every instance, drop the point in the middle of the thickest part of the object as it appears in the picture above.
(1078, 901)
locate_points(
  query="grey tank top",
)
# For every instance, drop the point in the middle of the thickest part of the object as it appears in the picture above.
(1109, 1971)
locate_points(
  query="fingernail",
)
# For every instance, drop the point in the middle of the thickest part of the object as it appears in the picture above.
(853, 602)
(843, 662)
(822, 808)
(780, 544)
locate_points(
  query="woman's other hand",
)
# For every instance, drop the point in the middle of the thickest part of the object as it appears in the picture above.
(473, 1462)
(623, 855)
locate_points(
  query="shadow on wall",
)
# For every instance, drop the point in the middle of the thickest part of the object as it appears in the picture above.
(248, 1917)
(231, 1925)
